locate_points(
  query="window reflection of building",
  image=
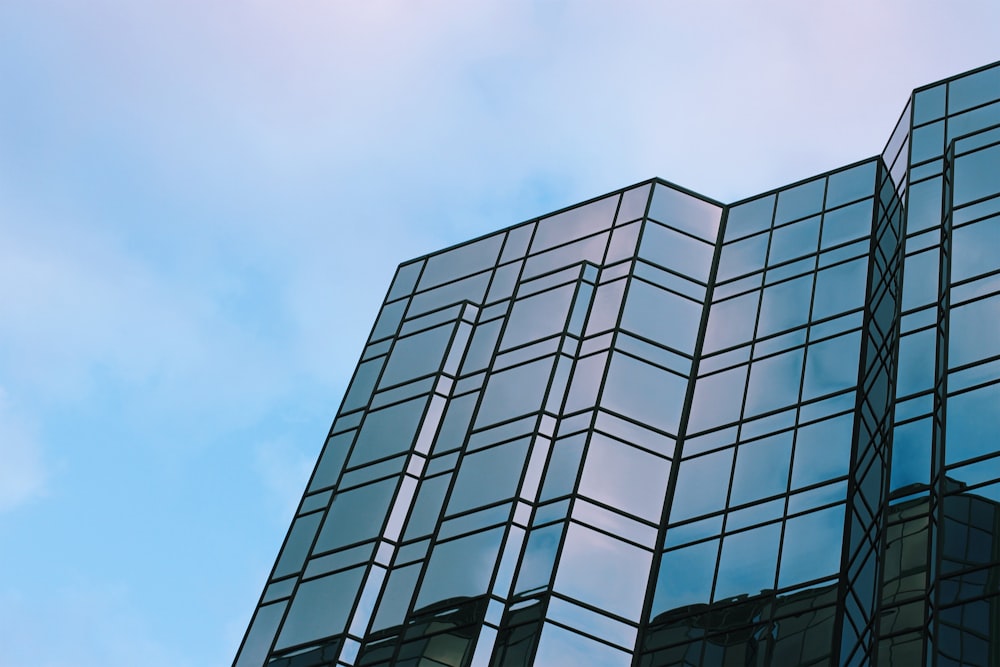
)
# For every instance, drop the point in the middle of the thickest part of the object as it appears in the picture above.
(654, 430)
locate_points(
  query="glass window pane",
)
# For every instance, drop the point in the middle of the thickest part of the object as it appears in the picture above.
(644, 393)
(685, 212)
(603, 572)
(811, 546)
(794, 240)
(749, 217)
(625, 478)
(840, 288)
(320, 608)
(388, 431)
(405, 280)
(538, 316)
(748, 562)
(575, 223)
(800, 201)
(924, 210)
(851, 184)
(702, 484)
(743, 256)
(911, 454)
(847, 224)
(975, 175)
(661, 316)
(396, 598)
(973, 332)
(973, 424)
(718, 399)
(676, 251)
(417, 355)
(300, 538)
(356, 515)
(974, 249)
(832, 365)
(731, 322)
(462, 261)
(973, 89)
(388, 320)
(539, 557)
(559, 647)
(488, 476)
(515, 392)
(427, 507)
(761, 469)
(460, 568)
(785, 305)
(774, 382)
(685, 577)
(822, 451)
(916, 362)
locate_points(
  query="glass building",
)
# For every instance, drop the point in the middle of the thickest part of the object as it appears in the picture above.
(654, 429)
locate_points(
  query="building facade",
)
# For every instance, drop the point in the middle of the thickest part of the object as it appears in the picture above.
(658, 430)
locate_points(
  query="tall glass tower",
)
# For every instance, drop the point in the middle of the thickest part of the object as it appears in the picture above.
(656, 430)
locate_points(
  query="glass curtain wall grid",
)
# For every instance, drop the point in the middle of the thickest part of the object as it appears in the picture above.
(655, 430)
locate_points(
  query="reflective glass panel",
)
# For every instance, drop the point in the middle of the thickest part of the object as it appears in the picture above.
(847, 224)
(702, 485)
(603, 572)
(973, 427)
(685, 577)
(320, 608)
(643, 392)
(488, 476)
(794, 240)
(822, 450)
(973, 332)
(731, 322)
(748, 562)
(356, 515)
(661, 316)
(744, 256)
(785, 305)
(718, 399)
(761, 468)
(800, 201)
(675, 251)
(774, 382)
(575, 223)
(388, 431)
(811, 546)
(538, 316)
(850, 184)
(515, 392)
(559, 647)
(417, 355)
(461, 261)
(625, 478)
(461, 567)
(832, 365)
(840, 288)
(685, 212)
(974, 248)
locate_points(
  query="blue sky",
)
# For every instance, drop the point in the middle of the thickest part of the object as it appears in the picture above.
(202, 203)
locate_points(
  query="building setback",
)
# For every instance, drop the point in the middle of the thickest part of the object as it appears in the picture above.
(654, 429)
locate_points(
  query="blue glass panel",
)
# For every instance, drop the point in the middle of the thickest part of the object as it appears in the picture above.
(976, 175)
(973, 425)
(811, 546)
(320, 608)
(661, 316)
(974, 89)
(774, 382)
(559, 647)
(356, 515)
(676, 251)
(388, 431)
(974, 249)
(785, 305)
(626, 478)
(460, 568)
(832, 365)
(761, 469)
(822, 451)
(643, 392)
(685, 577)
(800, 201)
(748, 562)
(916, 363)
(840, 288)
(488, 476)
(602, 571)
(702, 485)
(685, 212)
(851, 184)
(973, 331)
(749, 217)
